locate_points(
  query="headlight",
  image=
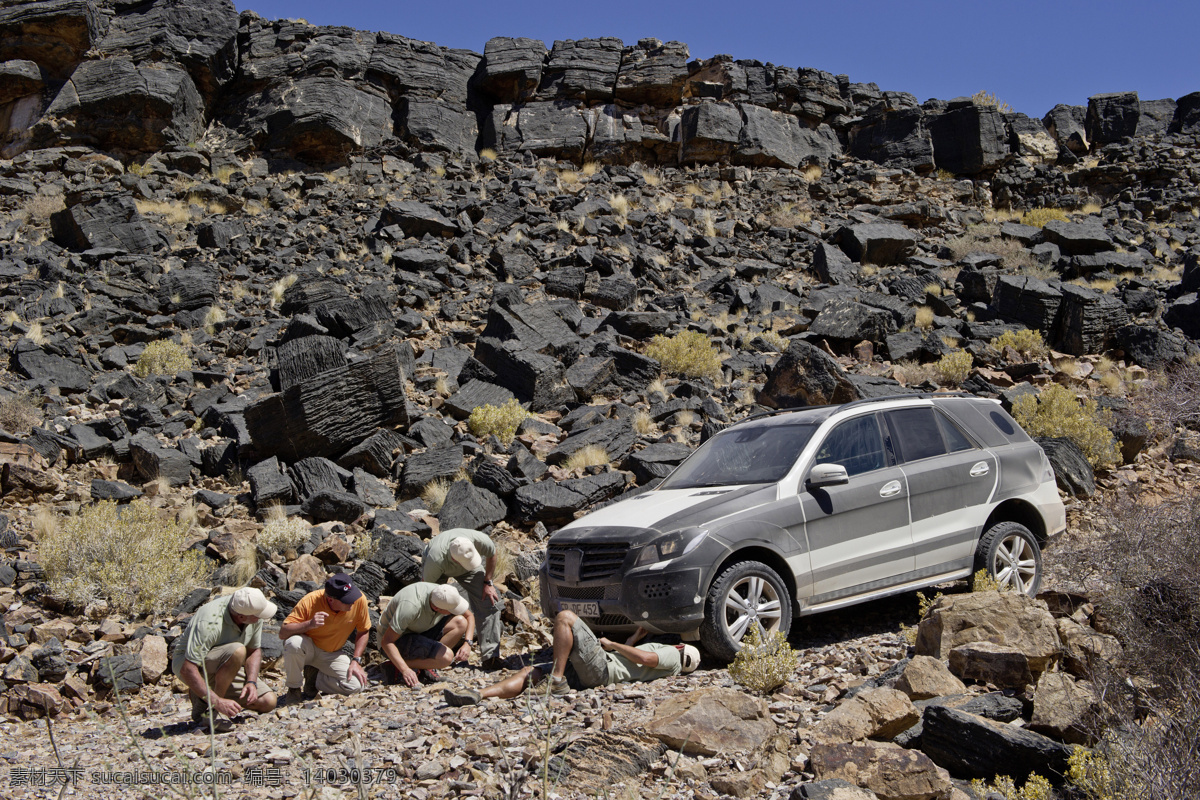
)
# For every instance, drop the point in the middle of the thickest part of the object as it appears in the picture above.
(671, 545)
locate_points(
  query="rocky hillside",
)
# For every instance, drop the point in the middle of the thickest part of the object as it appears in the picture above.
(279, 282)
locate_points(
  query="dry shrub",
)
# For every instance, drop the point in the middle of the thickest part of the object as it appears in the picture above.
(1056, 412)
(763, 664)
(502, 420)
(162, 357)
(39, 207)
(1171, 399)
(953, 368)
(1035, 788)
(282, 533)
(688, 353)
(985, 98)
(131, 556)
(1142, 563)
(643, 423)
(20, 412)
(592, 455)
(1027, 342)
(924, 317)
(985, 238)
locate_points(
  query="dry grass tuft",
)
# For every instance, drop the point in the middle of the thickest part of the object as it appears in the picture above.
(1027, 342)
(1038, 217)
(924, 318)
(281, 532)
(643, 423)
(434, 494)
(592, 455)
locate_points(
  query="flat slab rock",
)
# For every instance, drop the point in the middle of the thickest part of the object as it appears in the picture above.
(711, 721)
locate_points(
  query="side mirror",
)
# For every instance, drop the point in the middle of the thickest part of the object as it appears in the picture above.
(826, 475)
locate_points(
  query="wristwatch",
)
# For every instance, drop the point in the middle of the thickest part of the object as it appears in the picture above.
(488, 582)
(357, 659)
(469, 642)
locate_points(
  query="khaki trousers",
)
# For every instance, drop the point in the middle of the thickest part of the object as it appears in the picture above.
(333, 676)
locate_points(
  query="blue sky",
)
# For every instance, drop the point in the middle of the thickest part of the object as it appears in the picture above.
(1031, 55)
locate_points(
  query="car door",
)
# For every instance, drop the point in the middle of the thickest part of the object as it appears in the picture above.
(858, 532)
(950, 482)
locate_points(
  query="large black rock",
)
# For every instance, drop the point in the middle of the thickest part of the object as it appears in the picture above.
(805, 376)
(969, 138)
(972, 747)
(1072, 472)
(468, 506)
(106, 222)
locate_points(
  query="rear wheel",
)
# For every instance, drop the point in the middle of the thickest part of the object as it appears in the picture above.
(747, 593)
(1011, 555)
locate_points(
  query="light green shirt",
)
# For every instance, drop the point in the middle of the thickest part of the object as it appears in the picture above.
(622, 670)
(409, 611)
(438, 563)
(211, 626)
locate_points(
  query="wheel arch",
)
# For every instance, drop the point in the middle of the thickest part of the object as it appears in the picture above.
(1022, 512)
(765, 555)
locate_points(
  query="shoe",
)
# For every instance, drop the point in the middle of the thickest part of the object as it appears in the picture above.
(557, 688)
(461, 697)
(293, 696)
(493, 663)
(310, 682)
(428, 676)
(199, 707)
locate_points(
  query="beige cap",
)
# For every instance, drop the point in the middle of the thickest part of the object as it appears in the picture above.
(690, 659)
(463, 551)
(447, 599)
(251, 602)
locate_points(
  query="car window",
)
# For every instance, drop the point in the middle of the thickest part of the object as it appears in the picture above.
(855, 444)
(751, 454)
(917, 433)
(956, 440)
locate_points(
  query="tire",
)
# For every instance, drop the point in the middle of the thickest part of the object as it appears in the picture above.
(728, 613)
(1011, 555)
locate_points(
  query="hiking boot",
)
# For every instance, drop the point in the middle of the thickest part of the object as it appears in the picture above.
(310, 683)
(199, 707)
(460, 697)
(558, 688)
(293, 696)
(428, 676)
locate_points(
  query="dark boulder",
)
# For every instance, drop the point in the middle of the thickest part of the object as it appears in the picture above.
(106, 222)
(1028, 301)
(333, 506)
(877, 242)
(421, 469)
(269, 485)
(1112, 117)
(1187, 114)
(805, 376)
(846, 323)
(54, 34)
(969, 138)
(1152, 348)
(973, 747)
(709, 132)
(584, 69)
(469, 506)
(896, 136)
(434, 125)
(1087, 320)
(834, 266)
(1072, 472)
(652, 73)
(511, 68)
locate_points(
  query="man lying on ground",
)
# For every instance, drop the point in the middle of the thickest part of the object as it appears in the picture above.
(581, 661)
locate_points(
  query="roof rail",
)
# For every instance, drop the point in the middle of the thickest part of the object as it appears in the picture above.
(853, 403)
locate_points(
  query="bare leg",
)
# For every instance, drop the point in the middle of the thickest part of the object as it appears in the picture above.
(513, 685)
(223, 677)
(264, 704)
(564, 640)
(453, 632)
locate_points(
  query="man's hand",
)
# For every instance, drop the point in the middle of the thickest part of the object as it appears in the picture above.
(249, 693)
(491, 595)
(230, 708)
(464, 652)
(318, 620)
(605, 644)
(358, 673)
(410, 676)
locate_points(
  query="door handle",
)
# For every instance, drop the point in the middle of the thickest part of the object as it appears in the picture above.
(979, 469)
(890, 489)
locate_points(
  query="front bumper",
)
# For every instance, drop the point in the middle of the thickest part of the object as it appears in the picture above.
(663, 600)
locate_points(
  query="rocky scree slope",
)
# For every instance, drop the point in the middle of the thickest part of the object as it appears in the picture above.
(342, 320)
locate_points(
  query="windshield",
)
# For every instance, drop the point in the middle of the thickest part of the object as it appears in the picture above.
(758, 454)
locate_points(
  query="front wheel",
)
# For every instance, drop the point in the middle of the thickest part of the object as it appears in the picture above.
(747, 593)
(1011, 555)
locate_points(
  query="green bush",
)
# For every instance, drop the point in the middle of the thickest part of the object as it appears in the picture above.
(499, 420)
(688, 353)
(162, 357)
(953, 368)
(1056, 412)
(131, 556)
(763, 665)
(1035, 788)
(1028, 342)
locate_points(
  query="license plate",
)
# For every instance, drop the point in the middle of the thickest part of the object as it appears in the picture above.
(582, 609)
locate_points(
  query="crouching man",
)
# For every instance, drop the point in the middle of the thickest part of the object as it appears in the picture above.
(421, 628)
(313, 636)
(469, 556)
(223, 640)
(581, 661)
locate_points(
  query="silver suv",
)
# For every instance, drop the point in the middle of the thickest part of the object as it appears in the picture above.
(810, 510)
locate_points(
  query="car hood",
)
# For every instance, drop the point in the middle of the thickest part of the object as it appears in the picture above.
(673, 509)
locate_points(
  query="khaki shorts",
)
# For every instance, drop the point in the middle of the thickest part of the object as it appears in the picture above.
(587, 660)
(217, 657)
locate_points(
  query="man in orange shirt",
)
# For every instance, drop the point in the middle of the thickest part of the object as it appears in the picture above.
(313, 636)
